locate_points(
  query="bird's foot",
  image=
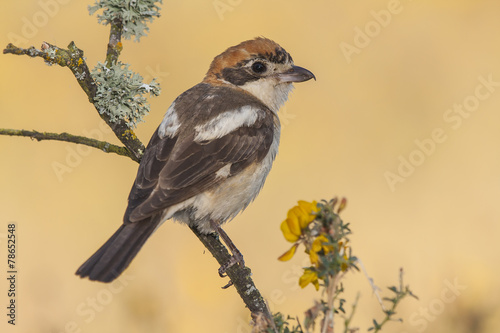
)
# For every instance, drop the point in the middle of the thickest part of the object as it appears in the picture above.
(236, 258)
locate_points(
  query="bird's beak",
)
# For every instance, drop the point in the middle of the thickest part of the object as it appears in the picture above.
(296, 74)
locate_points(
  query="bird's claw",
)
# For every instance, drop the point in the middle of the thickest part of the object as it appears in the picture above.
(236, 258)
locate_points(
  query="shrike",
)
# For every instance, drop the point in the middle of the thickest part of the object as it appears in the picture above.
(210, 155)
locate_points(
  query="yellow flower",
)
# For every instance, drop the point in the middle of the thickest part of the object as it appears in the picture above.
(290, 234)
(309, 276)
(293, 221)
(313, 256)
(319, 245)
(288, 254)
(298, 218)
(316, 247)
(308, 209)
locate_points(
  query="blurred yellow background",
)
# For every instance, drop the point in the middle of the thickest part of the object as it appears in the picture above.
(403, 120)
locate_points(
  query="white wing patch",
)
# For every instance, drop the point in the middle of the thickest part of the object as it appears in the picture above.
(226, 123)
(170, 123)
(224, 172)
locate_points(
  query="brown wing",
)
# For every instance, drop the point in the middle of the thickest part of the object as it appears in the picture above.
(176, 169)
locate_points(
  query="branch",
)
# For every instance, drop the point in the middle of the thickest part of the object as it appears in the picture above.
(101, 145)
(115, 45)
(74, 60)
(71, 58)
(240, 277)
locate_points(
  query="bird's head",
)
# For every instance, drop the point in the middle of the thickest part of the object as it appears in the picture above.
(260, 67)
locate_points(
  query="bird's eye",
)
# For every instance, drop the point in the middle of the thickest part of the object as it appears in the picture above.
(259, 67)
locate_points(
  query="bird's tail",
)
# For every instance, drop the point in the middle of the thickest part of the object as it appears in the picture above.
(116, 254)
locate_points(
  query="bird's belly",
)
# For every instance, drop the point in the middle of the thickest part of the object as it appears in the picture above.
(226, 200)
(229, 198)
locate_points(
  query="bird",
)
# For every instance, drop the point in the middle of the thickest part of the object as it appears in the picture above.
(210, 156)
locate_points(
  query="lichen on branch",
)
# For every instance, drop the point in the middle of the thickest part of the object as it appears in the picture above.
(134, 15)
(120, 93)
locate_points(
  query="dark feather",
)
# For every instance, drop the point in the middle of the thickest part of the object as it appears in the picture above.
(116, 254)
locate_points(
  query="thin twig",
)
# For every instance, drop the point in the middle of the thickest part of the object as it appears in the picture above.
(347, 320)
(372, 284)
(401, 293)
(101, 145)
(73, 59)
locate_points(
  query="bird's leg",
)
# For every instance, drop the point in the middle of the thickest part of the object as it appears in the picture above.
(236, 258)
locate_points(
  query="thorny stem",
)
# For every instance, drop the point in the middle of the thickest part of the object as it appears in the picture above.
(347, 320)
(401, 293)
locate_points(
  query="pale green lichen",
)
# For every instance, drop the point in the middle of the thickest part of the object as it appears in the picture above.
(134, 14)
(120, 93)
